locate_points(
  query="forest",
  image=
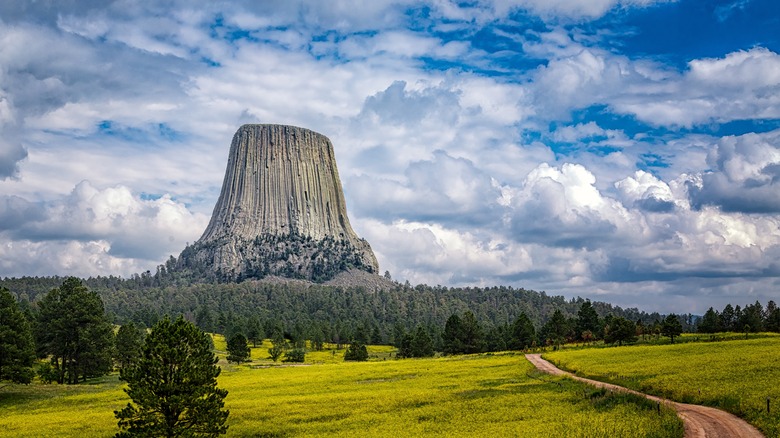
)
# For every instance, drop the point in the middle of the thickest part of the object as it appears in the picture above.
(303, 310)
(336, 311)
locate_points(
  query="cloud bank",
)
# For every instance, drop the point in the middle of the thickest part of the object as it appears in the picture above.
(497, 142)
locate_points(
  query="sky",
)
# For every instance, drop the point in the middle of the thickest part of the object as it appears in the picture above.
(625, 151)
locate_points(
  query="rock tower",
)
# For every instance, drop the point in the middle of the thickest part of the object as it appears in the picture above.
(281, 212)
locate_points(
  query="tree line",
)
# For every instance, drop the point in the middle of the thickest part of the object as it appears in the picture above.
(71, 325)
(260, 307)
(463, 333)
(752, 318)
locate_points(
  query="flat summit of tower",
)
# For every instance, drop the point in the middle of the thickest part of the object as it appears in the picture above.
(281, 212)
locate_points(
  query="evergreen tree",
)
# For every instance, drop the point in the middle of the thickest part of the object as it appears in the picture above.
(361, 335)
(405, 346)
(295, 355)
(453, 335)
(356, 351)
(554, 330)
(318, 339)
(497, 338)
(254, 330)
(417, 344)
(523, 333)
(728, 318)
(376, 336)
(587, 320)
(298, 336)
(641, 330)
(772, 322)
(473, 338)
(278, 346)
(17, 350)
(73, 329)
(753, 317)
(620, 330)
(463, 335)
(771, 306)
(173, 388)
(399, 332)
(205, 319)
(738, 324)
(238, 349)
(671, 327)
(710, 322)
(129, 342)
(421, 344)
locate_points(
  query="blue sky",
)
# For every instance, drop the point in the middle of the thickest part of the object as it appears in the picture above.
(620, 150)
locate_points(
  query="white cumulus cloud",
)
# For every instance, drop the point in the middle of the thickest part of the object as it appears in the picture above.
(99, 228)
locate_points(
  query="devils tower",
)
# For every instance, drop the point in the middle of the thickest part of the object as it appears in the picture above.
(281, 212)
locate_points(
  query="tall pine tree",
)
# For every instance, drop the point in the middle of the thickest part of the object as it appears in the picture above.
(17, 350)
(73, 330)
(671, 327)
(588, 320)
(523, 333)
(129, 341)
(173, 387)
(238, 350)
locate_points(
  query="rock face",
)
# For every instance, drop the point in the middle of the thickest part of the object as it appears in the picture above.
(281, 211)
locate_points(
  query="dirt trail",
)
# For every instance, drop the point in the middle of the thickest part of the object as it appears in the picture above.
(700, 421)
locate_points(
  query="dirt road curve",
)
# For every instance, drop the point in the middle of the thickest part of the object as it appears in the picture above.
(700, 421)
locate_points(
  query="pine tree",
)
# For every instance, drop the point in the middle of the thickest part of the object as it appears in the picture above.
(555, 329)
(772, 323)
(356, 351)
(295, 355)
(318, 339)
(17, 350)
(728, 318)
(278, 346)
(620, 330)
(173, 388)
(129, 342)
(710, 322)
(204, 319)
(73, 329)
(523, 333)
(405, 346)
(421, 343)
(473, 337)
(671, 327)
(254, 330)
(452, 338)
(587, 319)
(238, 350)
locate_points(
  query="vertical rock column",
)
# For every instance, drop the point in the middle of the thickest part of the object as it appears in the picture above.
(280, 181)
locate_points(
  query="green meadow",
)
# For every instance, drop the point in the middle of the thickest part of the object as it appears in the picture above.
(738, 375)
(480, 395)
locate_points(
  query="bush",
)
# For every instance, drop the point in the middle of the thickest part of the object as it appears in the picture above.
(47, 373)
(356, 352)
(296, 355)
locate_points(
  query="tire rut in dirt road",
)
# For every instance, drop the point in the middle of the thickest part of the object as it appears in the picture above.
(700, 421)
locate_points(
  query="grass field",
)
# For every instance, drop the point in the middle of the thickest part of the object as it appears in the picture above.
(485, 395)
(737, 375)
